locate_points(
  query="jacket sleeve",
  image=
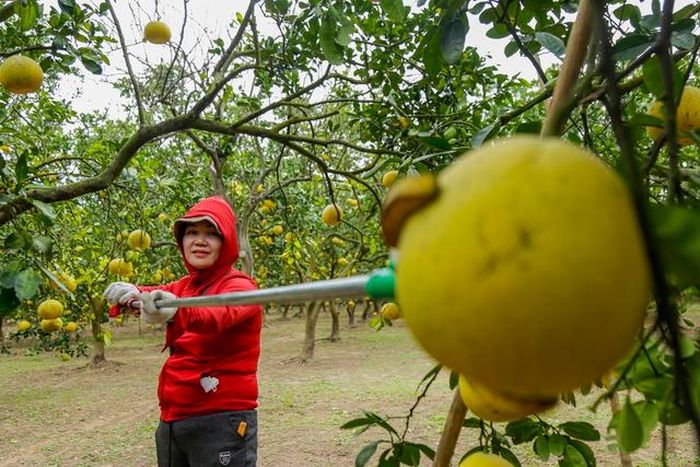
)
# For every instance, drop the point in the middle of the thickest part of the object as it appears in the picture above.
(212, 320)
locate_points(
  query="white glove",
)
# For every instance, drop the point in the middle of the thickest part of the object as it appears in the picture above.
(149, 313)
(120, 292)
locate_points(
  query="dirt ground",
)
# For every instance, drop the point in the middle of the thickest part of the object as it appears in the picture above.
(55, 413)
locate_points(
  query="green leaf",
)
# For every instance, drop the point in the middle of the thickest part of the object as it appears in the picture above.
(629, 429)
(15, 241)
(91, 65)
(22, 168)
(556, 444)
(433, 371)
(41, 243)
(585, 451)
(67, 5)
(366, 453)
(677, 232)
(645, 120)
(452, 40)
(483, 134)
(356, 422)
(572, 458)
(395, 10)
(427, 450)
(28, 14)
(551, 43)
(454, 379)
(523, 431)
(8, 301)
(687, 346)
(508, 455)
(683, 39)
(410, 454)
(541, 447)
(332, 51)
(344, 36)
(653, 78)
(630, 47)
(27, 284)
(432, 56)
(472, 422)
(580, 430)
(45, 209)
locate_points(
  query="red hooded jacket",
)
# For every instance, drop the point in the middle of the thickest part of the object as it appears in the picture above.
(221, 342)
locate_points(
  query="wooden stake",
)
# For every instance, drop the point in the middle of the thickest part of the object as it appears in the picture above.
(575, 54)
(450, 433)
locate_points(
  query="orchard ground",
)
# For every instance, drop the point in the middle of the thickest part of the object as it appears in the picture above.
(64, 414)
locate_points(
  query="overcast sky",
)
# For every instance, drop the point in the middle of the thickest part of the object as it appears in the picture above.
(211, 18)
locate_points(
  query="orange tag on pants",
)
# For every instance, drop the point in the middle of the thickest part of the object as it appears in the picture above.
(241, 428)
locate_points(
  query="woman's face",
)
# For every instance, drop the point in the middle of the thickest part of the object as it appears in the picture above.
(201, 244)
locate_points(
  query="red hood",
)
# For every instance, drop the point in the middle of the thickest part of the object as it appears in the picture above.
(220, 211)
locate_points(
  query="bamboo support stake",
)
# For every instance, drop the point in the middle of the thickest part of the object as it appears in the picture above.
(575, 54)
(450, 433)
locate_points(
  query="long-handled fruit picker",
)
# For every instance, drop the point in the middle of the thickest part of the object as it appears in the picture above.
(377, 284)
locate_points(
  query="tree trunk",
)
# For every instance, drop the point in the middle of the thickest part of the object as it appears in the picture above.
(98, 355)
(285, 311)
(244, 247)
(370, 306)
(307, 350)
(350, 308)
(2, 336)
(335, 326)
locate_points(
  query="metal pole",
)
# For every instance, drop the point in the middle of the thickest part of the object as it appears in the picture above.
(319, 290)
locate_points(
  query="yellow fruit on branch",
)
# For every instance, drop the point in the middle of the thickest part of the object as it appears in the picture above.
(163, 217)
(139, 240)
(119, 267)
(538, 281)
(389, 178)
(156, 32)
(338, 241)
(260, 188)
(494, 407)
(23, 325)
(687, 115)
(21, 75)
(277, 230)
(331, 215)
(484, 459)
(288, 237)
(51, 325)
(390, 311)
(351, 305)
(50, 309)
(404, 122)
(352, 202)
(342, 262)
(70, 326)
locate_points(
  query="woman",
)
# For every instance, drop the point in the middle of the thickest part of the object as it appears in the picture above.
(208, 385)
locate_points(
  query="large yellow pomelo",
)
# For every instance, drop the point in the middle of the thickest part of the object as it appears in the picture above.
(23, 325)
(494, 407)
(156, 32)
(528, 273)
(119, 267)
(331, 214)
(390, 311)
(51, 325)
(50, 309)
(139, 240)
(687, 115)
(21, 75)
(484, 459)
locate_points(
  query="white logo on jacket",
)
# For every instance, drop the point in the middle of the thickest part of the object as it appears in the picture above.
(225, 457)
(209, 383)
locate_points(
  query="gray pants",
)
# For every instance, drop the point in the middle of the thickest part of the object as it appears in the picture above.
(225, 438)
